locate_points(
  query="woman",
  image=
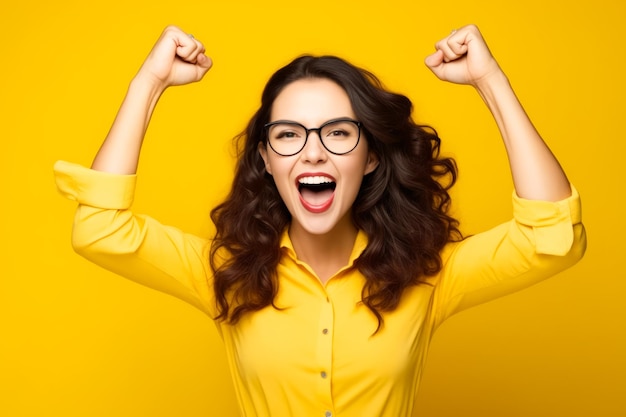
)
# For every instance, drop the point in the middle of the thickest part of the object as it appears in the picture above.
(334, 258)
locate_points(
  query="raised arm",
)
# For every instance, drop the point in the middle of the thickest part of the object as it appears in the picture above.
(105, 230)
(464, 58)
(176, 59)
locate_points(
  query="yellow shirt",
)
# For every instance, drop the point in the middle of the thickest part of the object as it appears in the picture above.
(317, 355)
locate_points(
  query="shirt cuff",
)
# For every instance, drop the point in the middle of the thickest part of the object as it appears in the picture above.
(551, 222)
(94, 188)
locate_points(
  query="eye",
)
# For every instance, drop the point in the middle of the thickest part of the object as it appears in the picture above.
(286, 135)
(286, 132)
(337, 132)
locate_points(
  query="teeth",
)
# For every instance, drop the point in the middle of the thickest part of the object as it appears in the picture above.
(315, 180)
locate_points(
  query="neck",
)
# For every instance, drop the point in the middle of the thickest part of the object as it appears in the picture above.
(325, 253)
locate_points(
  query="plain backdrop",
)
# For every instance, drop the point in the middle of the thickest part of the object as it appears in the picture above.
(76, 340)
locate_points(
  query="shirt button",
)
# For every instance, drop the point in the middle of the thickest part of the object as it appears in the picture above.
(325, 331)
(328, 414)
(323, 374)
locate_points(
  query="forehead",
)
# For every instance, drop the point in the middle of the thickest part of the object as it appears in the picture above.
(311, 102)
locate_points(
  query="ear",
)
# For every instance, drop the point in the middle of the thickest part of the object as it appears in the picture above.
(372, 162)
(263, 152)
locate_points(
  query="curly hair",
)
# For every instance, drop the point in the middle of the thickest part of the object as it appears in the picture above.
(402, 205)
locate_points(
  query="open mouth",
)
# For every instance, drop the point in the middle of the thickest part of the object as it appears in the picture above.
(316, 192)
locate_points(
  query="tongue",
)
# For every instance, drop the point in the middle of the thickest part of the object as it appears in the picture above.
(316, 198)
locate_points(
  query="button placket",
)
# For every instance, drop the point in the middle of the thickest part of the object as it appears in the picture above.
(324, 355)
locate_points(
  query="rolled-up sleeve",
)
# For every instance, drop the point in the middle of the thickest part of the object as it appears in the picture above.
(552, 223)
(94, 188)
(138, 247)
(543, 239)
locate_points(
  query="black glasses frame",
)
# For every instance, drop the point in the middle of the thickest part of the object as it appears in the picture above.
(313, 129)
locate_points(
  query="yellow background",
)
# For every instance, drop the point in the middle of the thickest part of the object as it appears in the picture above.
(78, 341)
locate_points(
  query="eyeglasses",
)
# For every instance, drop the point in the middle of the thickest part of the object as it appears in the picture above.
(338, 136)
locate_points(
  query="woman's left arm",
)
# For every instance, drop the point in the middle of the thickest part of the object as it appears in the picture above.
(464, 58)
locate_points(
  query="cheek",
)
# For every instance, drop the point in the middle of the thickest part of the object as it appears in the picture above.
(279, 170)
(353, 176)
(278, 167)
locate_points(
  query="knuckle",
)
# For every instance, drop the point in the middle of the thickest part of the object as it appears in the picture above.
(170, 28)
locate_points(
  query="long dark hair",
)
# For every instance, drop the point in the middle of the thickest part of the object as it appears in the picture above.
(402, 205)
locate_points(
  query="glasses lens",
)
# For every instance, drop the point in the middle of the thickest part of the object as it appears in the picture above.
(340, 136)
(286, 138)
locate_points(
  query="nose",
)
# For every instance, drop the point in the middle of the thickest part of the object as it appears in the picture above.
(314, 152)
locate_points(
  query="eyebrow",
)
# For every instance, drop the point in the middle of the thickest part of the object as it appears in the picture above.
(336, 119)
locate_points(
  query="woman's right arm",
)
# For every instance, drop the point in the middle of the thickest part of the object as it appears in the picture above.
(106, 231)
(176, 59)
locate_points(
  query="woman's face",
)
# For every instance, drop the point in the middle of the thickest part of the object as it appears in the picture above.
(318, 187)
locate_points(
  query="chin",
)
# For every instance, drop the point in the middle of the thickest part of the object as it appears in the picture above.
(322, 224)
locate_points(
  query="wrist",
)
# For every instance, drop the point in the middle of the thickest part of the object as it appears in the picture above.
(492, 82)
(147, 85)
